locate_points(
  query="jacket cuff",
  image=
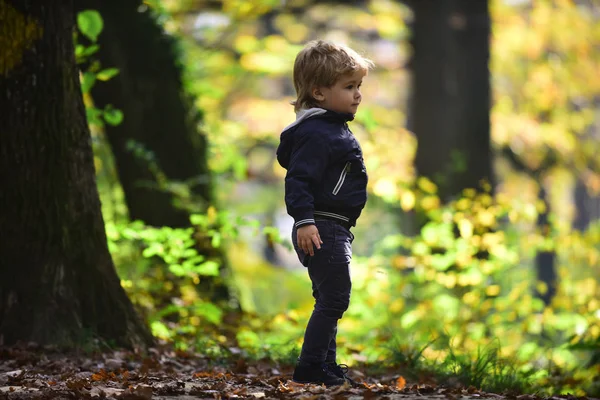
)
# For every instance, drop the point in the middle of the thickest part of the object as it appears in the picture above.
(306, 218)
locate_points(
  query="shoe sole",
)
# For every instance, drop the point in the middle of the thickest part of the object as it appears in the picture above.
(317, 383)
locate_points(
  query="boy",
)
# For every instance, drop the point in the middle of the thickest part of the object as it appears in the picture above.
(325, 192)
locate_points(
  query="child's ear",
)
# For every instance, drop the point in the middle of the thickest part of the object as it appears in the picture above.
(317, 94)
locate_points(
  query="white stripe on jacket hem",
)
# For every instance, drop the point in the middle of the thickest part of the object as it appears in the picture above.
(329, 214)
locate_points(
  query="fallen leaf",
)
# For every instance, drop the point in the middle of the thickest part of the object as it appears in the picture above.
(400, 383)
(342, 388)
(369, 394)
(368, 386)
(137, 393)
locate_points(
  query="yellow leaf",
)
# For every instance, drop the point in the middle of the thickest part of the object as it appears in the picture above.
(211, 214)
(469, 193)
(466, 228)
(493, 290)
(275, 44)
(407, 200)
(486, 218)
(397, 305)
(427, 185)
(385, 187)
(463, 204)
(430, 203)
(246, 43)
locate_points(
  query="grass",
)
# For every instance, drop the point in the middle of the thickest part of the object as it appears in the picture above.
(486, 370)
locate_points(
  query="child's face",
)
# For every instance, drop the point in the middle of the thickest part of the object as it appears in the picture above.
(344, 96)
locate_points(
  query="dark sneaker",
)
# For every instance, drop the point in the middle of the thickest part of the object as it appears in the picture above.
(316, 373)
(341, 371)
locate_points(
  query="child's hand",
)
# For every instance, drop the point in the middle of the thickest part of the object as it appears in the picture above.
(307, 235)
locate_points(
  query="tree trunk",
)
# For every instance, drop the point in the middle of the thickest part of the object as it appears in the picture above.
(545, 260)
(157, 114)
(450, 104)
(582, 205)
(58, 284)
(159, 117)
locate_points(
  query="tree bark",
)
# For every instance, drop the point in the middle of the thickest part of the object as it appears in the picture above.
(582, 204)
(450, 100)
(58, 284)
(545, 260)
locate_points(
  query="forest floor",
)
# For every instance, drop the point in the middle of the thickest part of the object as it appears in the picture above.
(31, 372)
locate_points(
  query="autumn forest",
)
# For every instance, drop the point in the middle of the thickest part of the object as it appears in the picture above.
(145, 247)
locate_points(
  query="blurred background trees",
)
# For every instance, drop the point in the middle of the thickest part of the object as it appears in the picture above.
(449, 109)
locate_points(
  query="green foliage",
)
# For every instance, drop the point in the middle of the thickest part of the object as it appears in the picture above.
(90, 25)
(162, 270)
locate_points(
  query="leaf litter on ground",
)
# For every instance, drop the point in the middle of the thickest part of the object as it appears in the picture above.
(35, 372)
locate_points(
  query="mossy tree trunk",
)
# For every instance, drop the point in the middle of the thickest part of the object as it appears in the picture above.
(158, 116)
(58, 284)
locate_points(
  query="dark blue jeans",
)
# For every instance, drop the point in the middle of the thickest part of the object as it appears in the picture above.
(329, 271)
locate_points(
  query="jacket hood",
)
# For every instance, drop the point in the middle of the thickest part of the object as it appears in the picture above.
(287, 135)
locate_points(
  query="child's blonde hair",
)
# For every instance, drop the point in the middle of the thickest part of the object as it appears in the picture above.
(321, 64)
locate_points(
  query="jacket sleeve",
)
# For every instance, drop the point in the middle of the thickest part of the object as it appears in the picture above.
(309, 158)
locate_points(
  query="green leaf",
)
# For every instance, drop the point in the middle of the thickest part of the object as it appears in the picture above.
(106, 74)
(177, 270)
(447, 305)
(210, 312)
(90, 23)
(420, 249)
(208, 268)
(79, 49)
(430, 232)
(199, 219)
(87, 81)
(82, 52)
(112, 116)
(216, 240)
(442, 262)
(88, 51)
(160, 330)
(153, 250)
(189, 253)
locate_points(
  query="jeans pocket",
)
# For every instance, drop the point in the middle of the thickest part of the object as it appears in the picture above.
(342, 247)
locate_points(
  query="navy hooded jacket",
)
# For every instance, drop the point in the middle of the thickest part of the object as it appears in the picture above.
(326, 174)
